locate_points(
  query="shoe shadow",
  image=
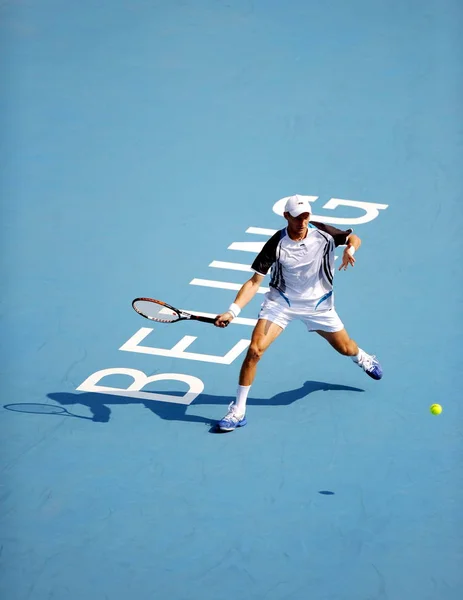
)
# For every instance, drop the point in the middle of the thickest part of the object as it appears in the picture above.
(99, 404)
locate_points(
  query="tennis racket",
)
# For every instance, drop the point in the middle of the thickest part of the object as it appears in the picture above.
(159, 311)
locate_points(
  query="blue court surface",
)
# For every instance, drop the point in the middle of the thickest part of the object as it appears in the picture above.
(145, 147)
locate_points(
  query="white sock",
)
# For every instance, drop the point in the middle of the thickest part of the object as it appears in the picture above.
(358, 357)
(241, 398)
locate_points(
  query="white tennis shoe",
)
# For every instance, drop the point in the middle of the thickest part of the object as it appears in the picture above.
(232, 419)
(371, 365)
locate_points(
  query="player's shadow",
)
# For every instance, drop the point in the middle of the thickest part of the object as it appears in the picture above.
(98, 404)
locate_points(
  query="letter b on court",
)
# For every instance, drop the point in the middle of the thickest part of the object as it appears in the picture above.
(140, 380)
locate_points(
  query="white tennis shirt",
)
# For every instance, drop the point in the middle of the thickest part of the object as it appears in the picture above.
(302, 272)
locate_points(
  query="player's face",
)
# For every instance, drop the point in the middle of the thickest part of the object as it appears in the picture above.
(298, 225)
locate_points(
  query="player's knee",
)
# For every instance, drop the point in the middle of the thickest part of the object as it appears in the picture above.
(254, 353)
(344, 348)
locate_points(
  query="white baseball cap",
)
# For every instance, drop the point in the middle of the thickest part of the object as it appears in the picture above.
(296, 205)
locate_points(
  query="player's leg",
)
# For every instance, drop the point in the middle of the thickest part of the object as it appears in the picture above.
(345, 345)
(265, 332)
(340, 341)
(328, 324)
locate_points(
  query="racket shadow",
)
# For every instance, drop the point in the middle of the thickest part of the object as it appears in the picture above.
(99, 404)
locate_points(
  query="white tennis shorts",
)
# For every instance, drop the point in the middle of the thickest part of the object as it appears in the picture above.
(315, 320)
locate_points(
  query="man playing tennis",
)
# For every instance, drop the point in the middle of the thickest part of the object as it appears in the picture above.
(301, 257)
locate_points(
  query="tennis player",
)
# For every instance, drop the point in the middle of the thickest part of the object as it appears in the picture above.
(301, 258)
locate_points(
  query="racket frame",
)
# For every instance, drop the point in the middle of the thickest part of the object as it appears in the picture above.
(182, 315)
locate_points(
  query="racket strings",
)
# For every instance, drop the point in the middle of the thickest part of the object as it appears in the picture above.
(155, 311)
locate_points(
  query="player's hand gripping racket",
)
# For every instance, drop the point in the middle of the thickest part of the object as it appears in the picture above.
(159, 311)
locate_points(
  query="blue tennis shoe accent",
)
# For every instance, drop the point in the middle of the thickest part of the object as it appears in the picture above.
(232, 419)
(371, 365)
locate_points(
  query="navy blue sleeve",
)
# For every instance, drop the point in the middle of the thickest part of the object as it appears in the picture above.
(267, 256)
(339, 235)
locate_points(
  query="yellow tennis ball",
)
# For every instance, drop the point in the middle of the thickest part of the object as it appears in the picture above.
(436, 409)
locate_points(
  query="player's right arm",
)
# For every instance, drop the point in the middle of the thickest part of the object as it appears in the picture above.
(246, 293)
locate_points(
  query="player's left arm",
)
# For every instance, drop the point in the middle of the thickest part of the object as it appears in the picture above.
(353, 243)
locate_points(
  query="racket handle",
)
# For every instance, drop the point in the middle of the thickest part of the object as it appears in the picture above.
(204, 319)
(208, 320)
